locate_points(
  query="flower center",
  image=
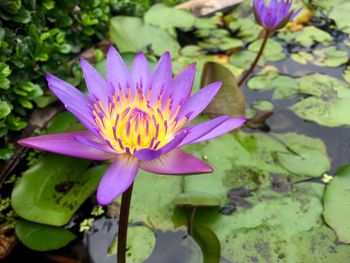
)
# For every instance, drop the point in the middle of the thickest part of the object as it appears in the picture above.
(130, 124)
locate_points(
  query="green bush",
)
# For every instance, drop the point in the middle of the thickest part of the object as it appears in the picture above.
(38, 37)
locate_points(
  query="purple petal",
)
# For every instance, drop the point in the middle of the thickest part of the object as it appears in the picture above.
(96, 84)
(200, 130)
(140, 73)
(117, 71)
(117, 179)
(95, 143)
(180, 87)
(151, 154)
(162, 74)
(73, 99)
(199, 101)
(223, 128)
(176, 162)
(66, 144)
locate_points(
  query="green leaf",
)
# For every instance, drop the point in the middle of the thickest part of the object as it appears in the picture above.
(130, 34)
(22, 16)
(140, 244)
(54, 188)
(5, 109)
(42, 237)
(307, 36)
(230, 98)
(337, 204)
(197, 199)
(169, 17)
(284, 86)
(327, 101)
(273, 50)
(263, 105)
(340, 14)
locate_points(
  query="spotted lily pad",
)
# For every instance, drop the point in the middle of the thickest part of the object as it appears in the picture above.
(284, 86)
(327, 102)
(337, 204)
(54, 188)
(273, 50)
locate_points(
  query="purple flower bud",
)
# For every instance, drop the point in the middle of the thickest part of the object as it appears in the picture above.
(275, 15)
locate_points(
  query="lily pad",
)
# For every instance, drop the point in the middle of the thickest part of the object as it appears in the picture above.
(54, 188)
(307, 36)
(273, 50)
(340, 14)
(245, 28)
(325, 57)
(337, 204)
(141, 241)
(285, 87)
(42, 237)
(197, 199)
(263, 105)
(169, 18)
(327, 101)
(130, 34)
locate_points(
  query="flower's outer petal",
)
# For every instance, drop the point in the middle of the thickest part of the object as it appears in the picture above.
(176, 162)
(139, 72)
(199, 101)
(225, 127)
(151, 154)
(98, 87)
(117, 179)
(200, 130)
(67, 144)
(162, 74)
(117, 71)
(73, 99)
(95, 143)
(179, 88)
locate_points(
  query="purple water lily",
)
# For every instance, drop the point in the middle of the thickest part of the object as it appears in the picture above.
(135, 118)
(275, 15)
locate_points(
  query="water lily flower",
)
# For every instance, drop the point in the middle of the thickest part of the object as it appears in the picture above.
(136, 119)
(275, 15)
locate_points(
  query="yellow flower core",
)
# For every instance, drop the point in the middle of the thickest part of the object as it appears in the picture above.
(131, 124)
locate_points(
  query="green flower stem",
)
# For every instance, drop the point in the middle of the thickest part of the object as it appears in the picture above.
(257, 58)
(123, 224)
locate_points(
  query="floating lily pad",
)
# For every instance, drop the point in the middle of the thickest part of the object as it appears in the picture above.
(346, 74)
(169, 18)
(197, 199)
(285, 87)
(325, 57)
(245, 28)
(140, 244)
(307, 36)
(337, 204)
(130, 34)
(327, 103)
(273, 50)
(54, 188)
(226, 43)
(263, 105)
(42, 237)
(243, 59)
(340, 14)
